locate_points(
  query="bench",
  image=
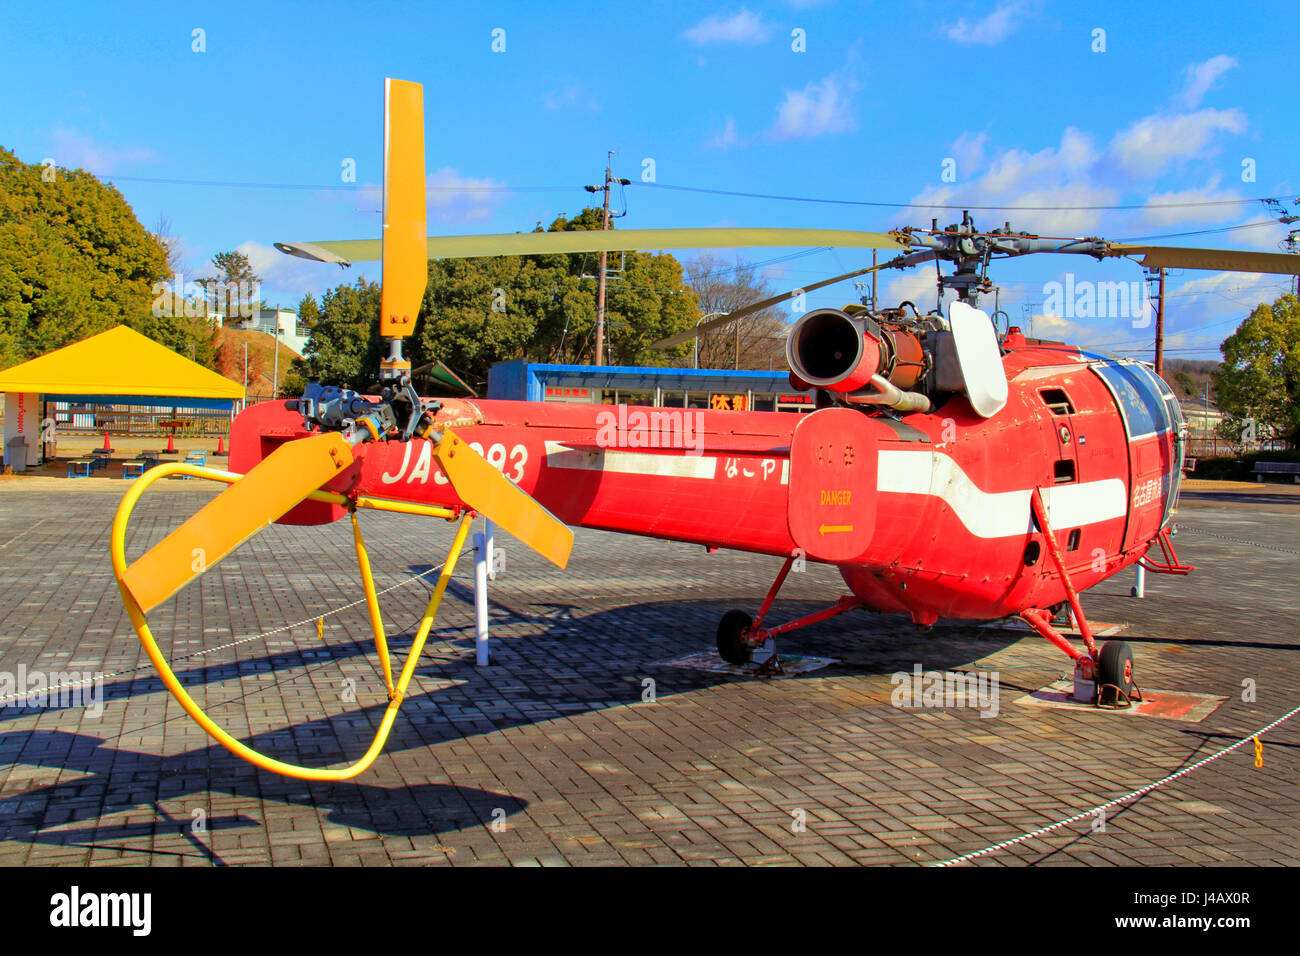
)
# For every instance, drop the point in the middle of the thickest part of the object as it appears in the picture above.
(1291, 468)
(133, 469)
(1189, 465)
(80, 468)
(198, 459)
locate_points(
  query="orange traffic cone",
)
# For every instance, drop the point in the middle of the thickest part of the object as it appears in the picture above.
(171, 442)
(221, 444)
(107, 446)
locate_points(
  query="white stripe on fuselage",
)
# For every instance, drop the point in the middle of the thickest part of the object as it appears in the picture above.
(997, 514)
(616, 461)
(673, 464)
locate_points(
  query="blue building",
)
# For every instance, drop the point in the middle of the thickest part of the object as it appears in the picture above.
(647, 385)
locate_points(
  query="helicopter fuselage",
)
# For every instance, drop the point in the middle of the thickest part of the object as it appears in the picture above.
(927, 514)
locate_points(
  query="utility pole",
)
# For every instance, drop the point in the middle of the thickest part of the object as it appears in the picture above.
(1160, 326)
(873, 280)
(1157, 276)
(1291, 244)
(604, 258)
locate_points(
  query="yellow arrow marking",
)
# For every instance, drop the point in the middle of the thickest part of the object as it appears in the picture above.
(833, 528)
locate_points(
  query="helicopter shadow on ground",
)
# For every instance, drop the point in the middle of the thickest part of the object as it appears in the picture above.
(120, 780)
(569, 664)
(617, 644)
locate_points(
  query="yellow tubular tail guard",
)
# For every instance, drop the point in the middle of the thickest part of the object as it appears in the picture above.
(396, 690)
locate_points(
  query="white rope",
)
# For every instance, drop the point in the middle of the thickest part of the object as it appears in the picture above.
(1118, 800)
(68, 685)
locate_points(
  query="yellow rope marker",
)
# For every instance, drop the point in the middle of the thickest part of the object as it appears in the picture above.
(1259, 753)
(320, 628)
(117, 549)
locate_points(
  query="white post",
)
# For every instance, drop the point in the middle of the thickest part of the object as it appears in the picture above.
(488, 528)
(1140, 582)
(480, 600)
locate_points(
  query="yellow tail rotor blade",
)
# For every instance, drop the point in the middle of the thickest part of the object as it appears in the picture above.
(405, 246)
(496, 498)
(284, 478)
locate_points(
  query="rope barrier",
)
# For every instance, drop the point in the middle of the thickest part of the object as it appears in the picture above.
(1118, 800)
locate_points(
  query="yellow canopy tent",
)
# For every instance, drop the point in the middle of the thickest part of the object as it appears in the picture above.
(117, 364)
(117, 367)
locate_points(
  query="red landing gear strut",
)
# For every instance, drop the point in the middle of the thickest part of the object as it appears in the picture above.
(739, 634)
(1171, 563)
(1105, 676)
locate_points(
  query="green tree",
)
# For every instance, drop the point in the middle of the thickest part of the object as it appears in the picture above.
(234, 289)
(646, 299)
(74, 260)
(344, 348)
(1260, 375)
(477, 312)
(308, 312)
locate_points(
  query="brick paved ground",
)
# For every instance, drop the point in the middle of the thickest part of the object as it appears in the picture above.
(552, 757)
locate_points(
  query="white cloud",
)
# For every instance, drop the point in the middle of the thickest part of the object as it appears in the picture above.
(1057, 329)
(994, 28)
(1148, 146)
(742, 29)
(571, 96)
(726, 138)
(457, 198)
(1051, 177)
(968, 150)
(285, 278)
(1171, 214)
(1230, 292)
(820, 107)
(917, 286)
(1199, 78)
(75, 150)
(452, 198)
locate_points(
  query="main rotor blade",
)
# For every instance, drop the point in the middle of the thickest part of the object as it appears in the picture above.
(495, 497)
(284, 478)
(1226, 260)
(899, 262)
(347, 251)
(405, 270)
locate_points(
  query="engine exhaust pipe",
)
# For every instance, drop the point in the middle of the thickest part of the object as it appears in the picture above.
(857, 357)
(828, 348)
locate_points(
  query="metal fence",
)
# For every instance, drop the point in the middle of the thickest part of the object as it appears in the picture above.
(142, 421)
(1216, 447)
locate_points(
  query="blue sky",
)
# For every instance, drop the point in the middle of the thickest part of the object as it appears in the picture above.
(1011, 92)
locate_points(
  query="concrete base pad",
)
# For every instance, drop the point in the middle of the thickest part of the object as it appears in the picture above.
(791, 664)
(1099, 628)
(1165, 704)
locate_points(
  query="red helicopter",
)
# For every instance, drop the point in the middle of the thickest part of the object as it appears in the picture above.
(949, 471)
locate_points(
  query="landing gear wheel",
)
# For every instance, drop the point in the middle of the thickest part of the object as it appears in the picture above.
(730, 647)
(1115, 666)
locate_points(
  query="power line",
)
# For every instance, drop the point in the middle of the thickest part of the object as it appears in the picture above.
(1204, 232)
(347, 187)
(341, 187)
(920, 205)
